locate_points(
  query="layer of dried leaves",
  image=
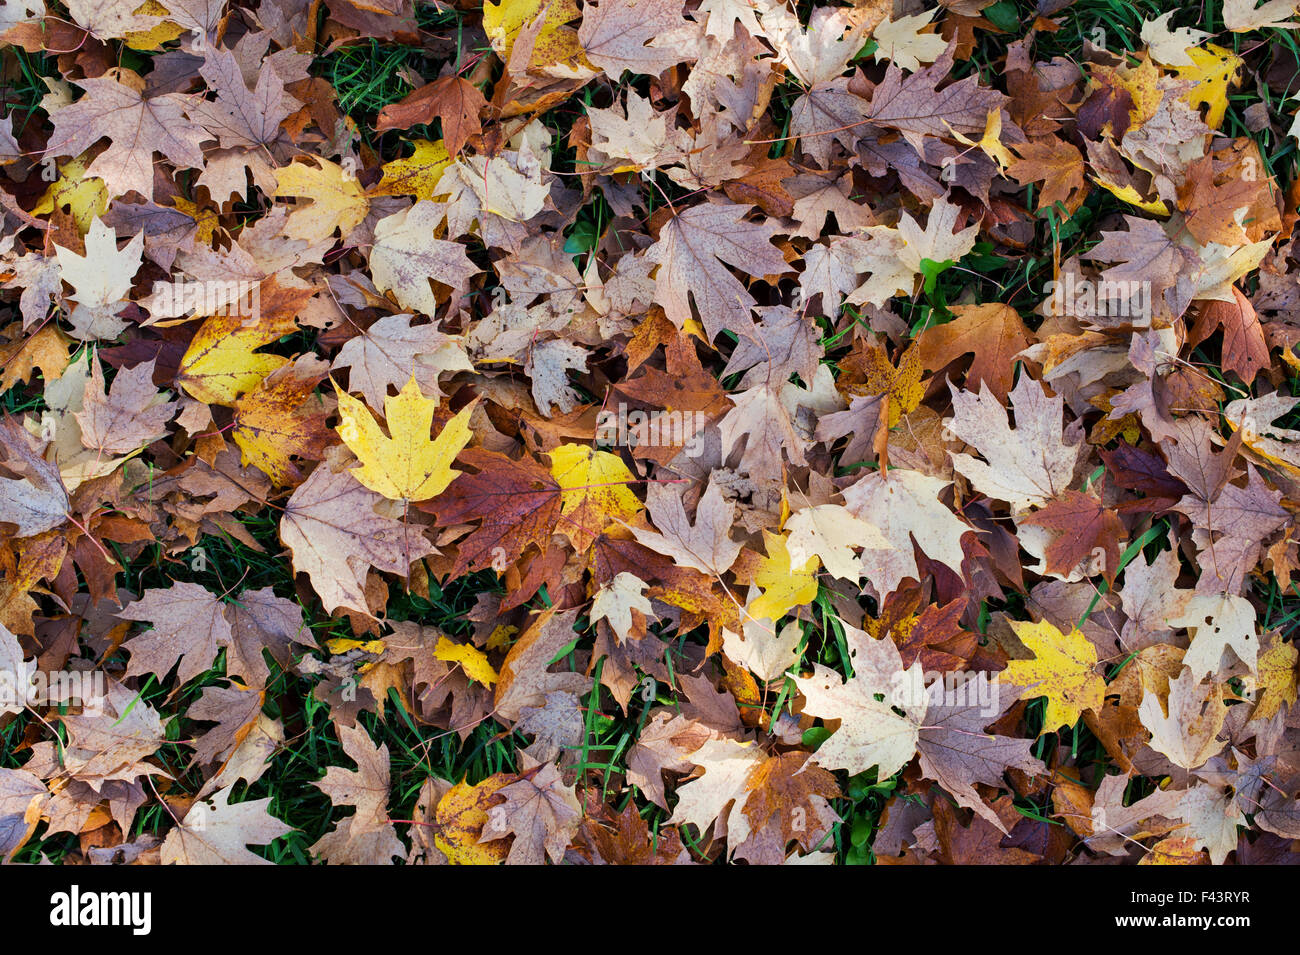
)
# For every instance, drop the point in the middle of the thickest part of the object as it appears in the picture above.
(747, 479)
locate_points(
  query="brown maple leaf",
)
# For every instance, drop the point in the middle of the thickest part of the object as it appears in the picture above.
(1211, 210)
(787, 802)
(130, 415)
(1245, 350)
(620, 35)
(337, 529)
(452, 99)
(541, 812)
(914, 106)
(517, 504)
(1087, 531)
(189, 626)
(994, 333)
(1055, 163)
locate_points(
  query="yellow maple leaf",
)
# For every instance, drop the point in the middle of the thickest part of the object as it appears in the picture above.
(1213, 70)
(471, 659)
(162, 32)
(784, 586)
(1175, 850)
(901, 384)
(205, 222)
(1277, 679)
(1130, 195)
(221, 364)
(418, 174)
(1142, 83)
(280, 418)
(86, 197)
(405, 464)
(499, 638)
(1063, 670)
(594, 491)
(46, 349)
(554, 44)
(338, 645)
(991, 142)
(461, 815)
(337, 200)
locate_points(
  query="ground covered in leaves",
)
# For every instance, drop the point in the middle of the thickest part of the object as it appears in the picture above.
(647, 431)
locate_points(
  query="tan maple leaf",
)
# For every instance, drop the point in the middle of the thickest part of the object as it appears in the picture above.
(1185, 727)
(405, 255)
(904, 506)
(135, 126)
(130, 415)
(337, 529)
(216, 831)
(831, 532)
(692, 249)
(619, 35)
(541, 812)
(1028, 464)
(706, 544)
(871, 733)
(903, 43)
(616, 600)
(368, 833)
(189, 626)
(100, 280)
(393, 350)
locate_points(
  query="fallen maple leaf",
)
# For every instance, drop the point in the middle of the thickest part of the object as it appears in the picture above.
(706, 545)
(903, 44)
(367, 835)
(1188, 732)
(333, 200)
(131, 414)
(1026, 465)
(36, 500)
(541, 812)
(517, 503)
(616, 600)
(690, 254)
(955, 750)
(282, 418)
(336, 531)
(136, 128)
(101, 279)
(871, 733)
(189, 627)
(784, 585)
(405, 256)
(1240, 16)
(830, 532)
(1063, 669)
(904, 506)
(595, 492)
(1086, 530)
(452, 99)
(994, 333)
(218, 832)
(1055, 163)
(619, 35)
(221, 363)
(406, 464)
